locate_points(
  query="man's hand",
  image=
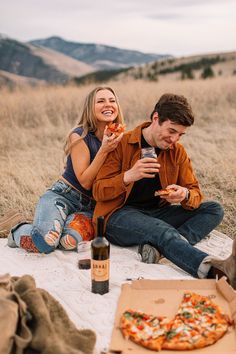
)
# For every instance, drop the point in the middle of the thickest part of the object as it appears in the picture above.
(143, 168)
(177, 195)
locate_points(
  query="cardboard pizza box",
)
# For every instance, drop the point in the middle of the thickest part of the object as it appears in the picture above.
(162, 298)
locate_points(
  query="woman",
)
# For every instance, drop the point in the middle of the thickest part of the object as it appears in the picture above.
(56, 222)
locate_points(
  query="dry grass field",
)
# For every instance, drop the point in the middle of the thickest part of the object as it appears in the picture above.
(35, 121)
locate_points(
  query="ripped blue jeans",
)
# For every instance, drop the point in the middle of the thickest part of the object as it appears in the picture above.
(53, 215)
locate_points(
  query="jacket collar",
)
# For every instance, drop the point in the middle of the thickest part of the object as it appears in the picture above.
(135, 135)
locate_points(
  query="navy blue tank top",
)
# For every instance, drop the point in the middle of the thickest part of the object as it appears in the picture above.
(93, 144)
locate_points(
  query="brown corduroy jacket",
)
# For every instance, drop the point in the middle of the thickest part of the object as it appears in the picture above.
(111, 193)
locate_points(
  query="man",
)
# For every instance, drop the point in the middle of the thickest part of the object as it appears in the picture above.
(125, 186)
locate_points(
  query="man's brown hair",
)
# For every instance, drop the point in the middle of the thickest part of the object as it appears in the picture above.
(175, 108)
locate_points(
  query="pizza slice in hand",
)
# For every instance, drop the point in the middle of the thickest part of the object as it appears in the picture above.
(164, 192)
(143, 329)
(116, 128)
(198, 323)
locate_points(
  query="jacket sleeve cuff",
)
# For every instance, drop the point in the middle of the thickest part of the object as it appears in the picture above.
(193, 201)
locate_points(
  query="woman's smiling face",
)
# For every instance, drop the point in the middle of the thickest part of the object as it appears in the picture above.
(105, 107)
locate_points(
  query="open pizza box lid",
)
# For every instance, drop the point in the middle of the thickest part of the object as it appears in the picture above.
(162, 298)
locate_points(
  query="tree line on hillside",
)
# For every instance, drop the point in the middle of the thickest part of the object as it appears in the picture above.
(151, 72)
(186, 70)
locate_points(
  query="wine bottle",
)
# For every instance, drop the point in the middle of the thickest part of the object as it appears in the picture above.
(100, 260)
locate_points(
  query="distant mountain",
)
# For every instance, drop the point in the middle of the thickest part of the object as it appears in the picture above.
(27, 63)
(38, 63)
(101, 57)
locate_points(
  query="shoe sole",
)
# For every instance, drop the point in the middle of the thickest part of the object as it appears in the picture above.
(8, 219)
(10, 241)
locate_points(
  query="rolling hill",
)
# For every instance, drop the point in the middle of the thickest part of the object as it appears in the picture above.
(38, 63)
(190, 67)
(55, 61)
(101, 57)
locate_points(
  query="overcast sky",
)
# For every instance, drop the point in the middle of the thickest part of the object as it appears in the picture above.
(178, 27)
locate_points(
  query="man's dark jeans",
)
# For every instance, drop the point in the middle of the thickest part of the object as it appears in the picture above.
(163, 228)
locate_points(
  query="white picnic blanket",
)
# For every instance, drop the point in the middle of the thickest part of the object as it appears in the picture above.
(58, 273)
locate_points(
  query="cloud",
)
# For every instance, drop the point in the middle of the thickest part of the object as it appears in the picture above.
(172, 26)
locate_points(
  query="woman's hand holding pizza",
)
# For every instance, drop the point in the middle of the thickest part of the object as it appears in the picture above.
(110, 141)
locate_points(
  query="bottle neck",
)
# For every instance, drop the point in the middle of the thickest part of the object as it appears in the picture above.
(100, 226)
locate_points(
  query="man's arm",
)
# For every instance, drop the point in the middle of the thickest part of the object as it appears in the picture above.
(183, 183)
(188, 180)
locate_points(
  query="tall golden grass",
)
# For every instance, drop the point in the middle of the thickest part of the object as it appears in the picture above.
(35, 121)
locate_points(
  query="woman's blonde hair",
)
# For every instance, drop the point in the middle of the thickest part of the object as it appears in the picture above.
(88, 120)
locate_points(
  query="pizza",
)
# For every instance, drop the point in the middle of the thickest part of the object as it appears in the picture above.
(198, 323)
(116, 128)
(143, 329)
(164, 192)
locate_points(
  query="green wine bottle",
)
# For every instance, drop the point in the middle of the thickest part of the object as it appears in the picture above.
(100, 260)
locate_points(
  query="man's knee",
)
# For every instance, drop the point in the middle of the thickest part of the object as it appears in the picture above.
(215, 209)
(219, 211)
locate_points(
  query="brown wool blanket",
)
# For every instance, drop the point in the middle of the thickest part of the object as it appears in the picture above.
(32, 321)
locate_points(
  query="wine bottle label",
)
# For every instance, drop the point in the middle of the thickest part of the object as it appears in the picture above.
(100, 270)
